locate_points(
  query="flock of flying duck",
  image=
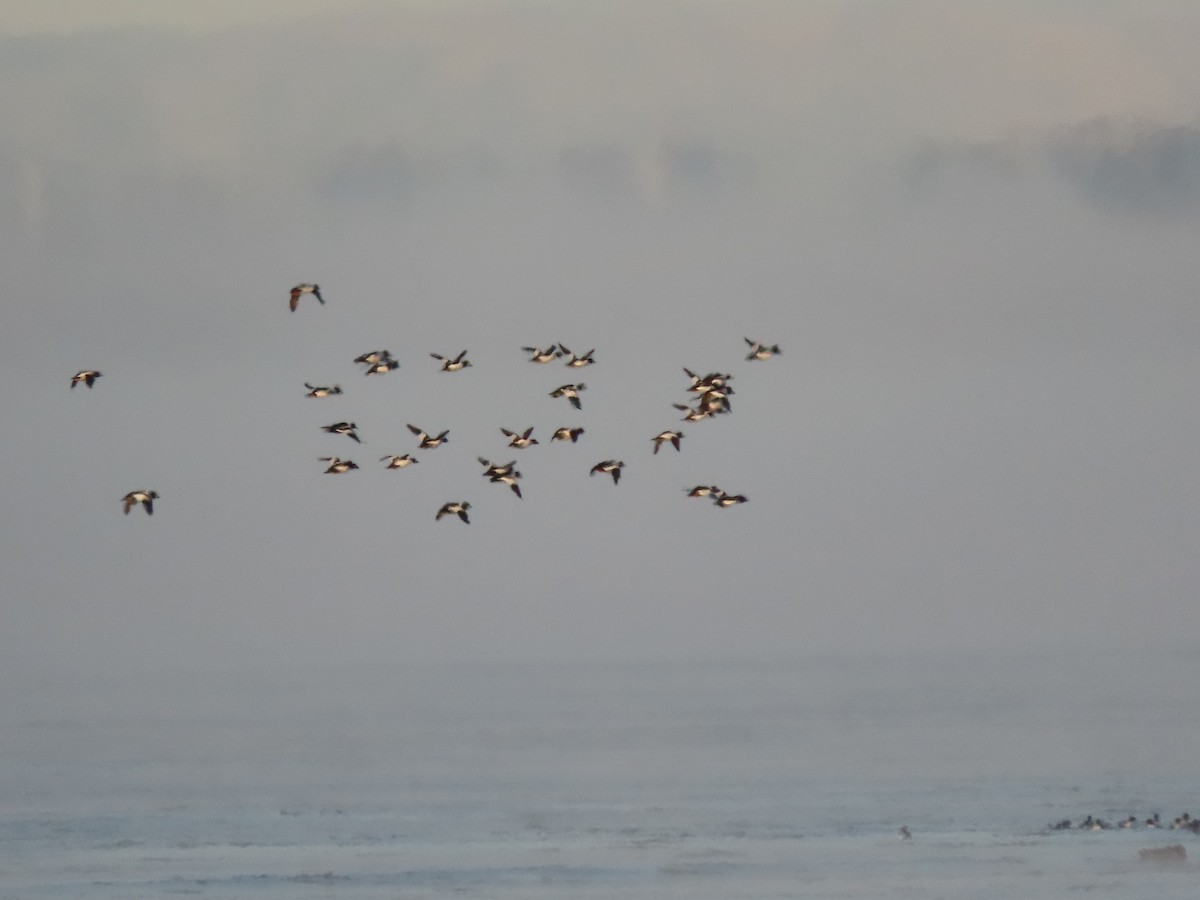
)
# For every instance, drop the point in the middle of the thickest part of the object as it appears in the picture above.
(710, 392)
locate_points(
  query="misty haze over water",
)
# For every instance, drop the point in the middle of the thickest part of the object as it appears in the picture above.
(961, 597)
(657, 779)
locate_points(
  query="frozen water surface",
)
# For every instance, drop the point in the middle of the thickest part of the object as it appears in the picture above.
(697, 781)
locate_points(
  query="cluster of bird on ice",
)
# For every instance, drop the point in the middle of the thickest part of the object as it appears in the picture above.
(1182, 822)
(710, 392)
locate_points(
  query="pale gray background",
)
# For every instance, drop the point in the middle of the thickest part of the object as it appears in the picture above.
(972, 227)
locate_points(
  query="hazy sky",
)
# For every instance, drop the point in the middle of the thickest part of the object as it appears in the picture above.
(971, 227)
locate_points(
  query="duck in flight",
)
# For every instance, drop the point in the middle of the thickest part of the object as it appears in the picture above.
(708, 382)
(571, 392)
(452, 365)
(346, 428)
(375, 356)
(337, 466)
(146, 498)
(455, 509)
(428, 441)
(87, 376)
(664, 436)
(321, 390)
(510, 478)
(715, 400)
(520, 440)
(693, 415)
(566, 434)
(723, 499)
(399, 462)
(307, 288)
(611, 467)
(761, 351)
(542, 357)
(382, 366)
(577, 361)
(492, 470)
